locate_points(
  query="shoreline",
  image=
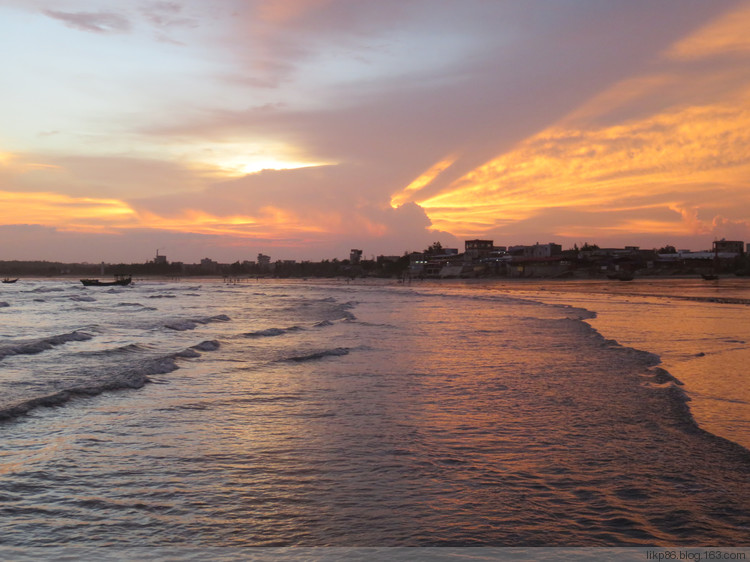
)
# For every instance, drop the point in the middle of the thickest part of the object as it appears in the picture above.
(559, 422)
(735, 293)
(480, 279)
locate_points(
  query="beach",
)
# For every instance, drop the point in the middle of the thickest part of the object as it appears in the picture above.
(373, 414)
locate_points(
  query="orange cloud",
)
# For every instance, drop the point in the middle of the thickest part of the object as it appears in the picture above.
(269, 222)
(675, 140)
(13, 163)
(675, 156)
(72, 213)
(85, 214)
(62, 211)
(422, 181)
(275, 225)
(728, 34)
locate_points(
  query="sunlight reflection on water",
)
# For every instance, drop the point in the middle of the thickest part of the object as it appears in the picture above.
(457, 416)
(703, 343)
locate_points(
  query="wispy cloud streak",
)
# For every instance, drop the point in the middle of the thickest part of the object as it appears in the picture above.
(95, 22)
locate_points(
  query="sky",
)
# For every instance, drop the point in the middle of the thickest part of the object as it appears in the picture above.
(303, 128)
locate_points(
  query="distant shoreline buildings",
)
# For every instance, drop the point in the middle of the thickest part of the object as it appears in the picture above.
(480, 258)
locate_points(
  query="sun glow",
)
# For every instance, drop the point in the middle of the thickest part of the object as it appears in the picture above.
(236, 159)
(243, 167)
(6, 158)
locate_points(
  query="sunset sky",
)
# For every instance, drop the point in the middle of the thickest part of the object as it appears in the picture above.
(303, 128)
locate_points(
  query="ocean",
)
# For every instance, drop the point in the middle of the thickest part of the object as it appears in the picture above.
(372, 413)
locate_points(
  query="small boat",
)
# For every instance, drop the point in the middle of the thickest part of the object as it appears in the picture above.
(119, 280)
(9, 280)
(709, 276)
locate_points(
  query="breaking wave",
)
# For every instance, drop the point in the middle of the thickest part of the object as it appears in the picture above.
(124, 349)
(131, 378)
(181, 325)
(337, 352)
(46, 290)
(191, 324)
(272, 332)
(208, 345)
(32, 347)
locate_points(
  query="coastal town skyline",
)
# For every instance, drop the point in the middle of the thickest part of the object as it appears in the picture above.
(247, 255)
(305, 128)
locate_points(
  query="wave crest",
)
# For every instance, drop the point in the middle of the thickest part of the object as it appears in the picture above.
(132, 378)
(271, 332)
(32, 347)
(337, 352)
(192, 323)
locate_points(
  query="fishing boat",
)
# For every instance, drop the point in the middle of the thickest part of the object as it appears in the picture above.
(119, 280)
(9, 280)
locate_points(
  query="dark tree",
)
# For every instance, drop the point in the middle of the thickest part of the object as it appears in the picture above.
(436, 248)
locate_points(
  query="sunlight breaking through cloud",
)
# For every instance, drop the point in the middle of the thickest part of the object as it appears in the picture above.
(322, 125)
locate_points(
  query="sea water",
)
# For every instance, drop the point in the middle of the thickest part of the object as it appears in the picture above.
(272, 413)
(699, 329)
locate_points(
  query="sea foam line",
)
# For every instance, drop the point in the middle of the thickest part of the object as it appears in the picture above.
(656, 379)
